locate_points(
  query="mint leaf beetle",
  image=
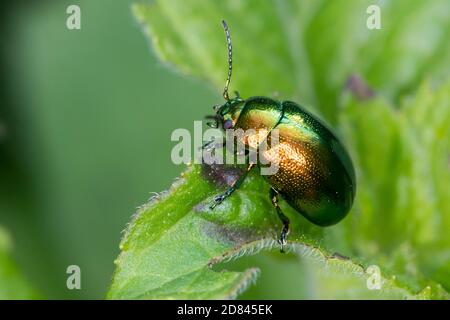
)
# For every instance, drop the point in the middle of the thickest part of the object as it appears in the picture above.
(315, 174)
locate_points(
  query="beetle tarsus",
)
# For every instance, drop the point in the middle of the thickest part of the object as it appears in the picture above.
(208, 145)
(282, 240)
(220, 198)
(285, 220)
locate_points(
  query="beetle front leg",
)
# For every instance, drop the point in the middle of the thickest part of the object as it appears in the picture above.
(285, 220)
(212, 145)
(220, 198)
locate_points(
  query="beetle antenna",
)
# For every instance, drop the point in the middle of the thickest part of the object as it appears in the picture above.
(230, 60)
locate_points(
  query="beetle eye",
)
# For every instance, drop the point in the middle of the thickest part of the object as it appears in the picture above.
(228, 124)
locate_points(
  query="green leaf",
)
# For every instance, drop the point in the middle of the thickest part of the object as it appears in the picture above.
(171, 248)
(403, 160)
(12, 284)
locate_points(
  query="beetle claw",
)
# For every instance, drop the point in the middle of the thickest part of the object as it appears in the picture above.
(214, 205)
(282, 242)
(219, 199)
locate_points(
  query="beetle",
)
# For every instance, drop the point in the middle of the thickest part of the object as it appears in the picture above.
(315, 173)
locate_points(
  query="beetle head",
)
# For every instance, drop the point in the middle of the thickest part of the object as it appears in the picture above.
(227, 113)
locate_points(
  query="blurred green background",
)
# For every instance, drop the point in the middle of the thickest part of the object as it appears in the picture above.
(87, 116)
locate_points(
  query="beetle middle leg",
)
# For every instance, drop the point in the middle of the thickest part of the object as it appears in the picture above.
(220, 198)
(274, 194)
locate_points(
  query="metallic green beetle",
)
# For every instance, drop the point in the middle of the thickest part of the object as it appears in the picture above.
(315, 173)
